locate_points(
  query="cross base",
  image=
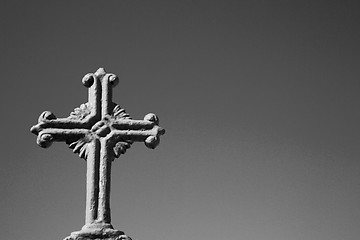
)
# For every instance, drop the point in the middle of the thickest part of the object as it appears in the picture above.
(98, 232)
(120, 237)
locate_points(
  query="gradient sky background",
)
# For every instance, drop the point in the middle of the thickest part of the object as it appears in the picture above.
(260, 100)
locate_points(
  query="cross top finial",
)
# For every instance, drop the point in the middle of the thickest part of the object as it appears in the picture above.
(88, 79)
(100, 72)
(99, 131)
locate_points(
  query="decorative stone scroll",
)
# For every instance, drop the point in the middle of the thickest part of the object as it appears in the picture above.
(98, 131)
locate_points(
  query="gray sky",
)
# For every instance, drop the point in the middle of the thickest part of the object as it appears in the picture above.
(260, 100)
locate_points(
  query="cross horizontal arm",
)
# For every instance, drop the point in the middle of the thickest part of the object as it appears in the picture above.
(150, 120)
(47, 136)
(146, 130)
(151, 137)
(137, 135)
(129, 124)
(48, 120)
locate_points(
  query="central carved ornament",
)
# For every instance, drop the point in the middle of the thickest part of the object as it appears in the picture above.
(99, 130)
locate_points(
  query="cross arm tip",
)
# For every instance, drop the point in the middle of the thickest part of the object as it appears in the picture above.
(44, 140)
(161, 131)
(154, 140)
(35, 129)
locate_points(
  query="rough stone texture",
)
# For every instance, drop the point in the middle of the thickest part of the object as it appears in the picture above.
(98, 131)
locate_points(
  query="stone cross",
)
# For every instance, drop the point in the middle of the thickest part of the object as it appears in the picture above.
(99, 131)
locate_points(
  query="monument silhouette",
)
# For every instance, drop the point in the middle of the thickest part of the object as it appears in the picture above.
(99, 131)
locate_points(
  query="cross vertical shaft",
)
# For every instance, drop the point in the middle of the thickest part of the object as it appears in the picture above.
(92, 159)
(92, 182)
(104, 187)
(105, 154)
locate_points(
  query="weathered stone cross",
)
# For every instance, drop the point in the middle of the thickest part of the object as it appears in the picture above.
(98, 131)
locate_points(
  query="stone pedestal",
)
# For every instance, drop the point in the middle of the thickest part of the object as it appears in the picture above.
(120, 237)
(94, 232)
